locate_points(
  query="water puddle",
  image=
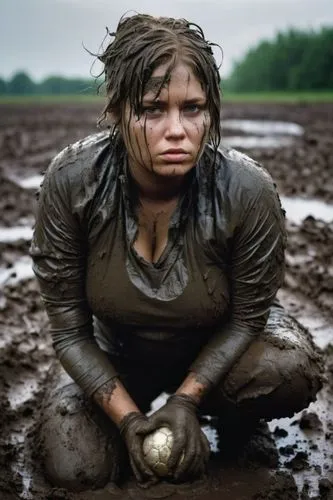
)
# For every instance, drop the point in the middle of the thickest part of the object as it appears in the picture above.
(297, 209)
(312, 445)
(251, 142)
(20, 271)
(24, 392)
(261, 133)
(14, 234)
(263, 127)
(33, 182)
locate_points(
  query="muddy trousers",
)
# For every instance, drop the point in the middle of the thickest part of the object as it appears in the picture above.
(277, 376)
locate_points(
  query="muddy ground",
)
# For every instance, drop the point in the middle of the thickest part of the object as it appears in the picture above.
(289, 459)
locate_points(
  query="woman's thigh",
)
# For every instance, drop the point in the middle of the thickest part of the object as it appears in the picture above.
(278, 375)
(80, 446)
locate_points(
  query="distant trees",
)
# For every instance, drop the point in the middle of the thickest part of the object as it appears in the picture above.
(61, 85)
(22, 84)
(3, 86)
(294, 60)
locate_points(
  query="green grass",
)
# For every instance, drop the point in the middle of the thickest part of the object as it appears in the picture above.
(50, 99)
(279, 97)
(254, 97)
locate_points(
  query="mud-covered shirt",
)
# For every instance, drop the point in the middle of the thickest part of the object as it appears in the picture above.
(200, 304)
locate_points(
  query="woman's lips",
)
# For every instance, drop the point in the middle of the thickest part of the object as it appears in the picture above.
(175, 156)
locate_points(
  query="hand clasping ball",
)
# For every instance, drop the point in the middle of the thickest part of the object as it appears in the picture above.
(156, 450)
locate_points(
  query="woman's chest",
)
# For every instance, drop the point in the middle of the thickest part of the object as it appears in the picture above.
(185, 290)
(151, 238)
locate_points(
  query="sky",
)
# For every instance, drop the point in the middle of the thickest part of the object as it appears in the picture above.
(47, 37)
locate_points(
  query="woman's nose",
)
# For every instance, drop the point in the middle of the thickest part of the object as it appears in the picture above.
(175, 126)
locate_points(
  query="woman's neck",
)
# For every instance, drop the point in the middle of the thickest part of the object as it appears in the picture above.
(157, 188)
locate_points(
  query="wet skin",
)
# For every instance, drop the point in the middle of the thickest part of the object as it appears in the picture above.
(166, 140)
(164, 143)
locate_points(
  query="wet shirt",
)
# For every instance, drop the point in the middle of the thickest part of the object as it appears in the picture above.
(202, 302)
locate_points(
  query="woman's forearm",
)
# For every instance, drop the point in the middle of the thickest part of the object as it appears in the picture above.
(91, 368)
(194, 386)
(222, 351)
(115, 400)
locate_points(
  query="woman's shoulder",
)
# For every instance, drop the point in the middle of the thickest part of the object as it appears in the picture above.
(242, 168)
(80, 156)
(236, 170)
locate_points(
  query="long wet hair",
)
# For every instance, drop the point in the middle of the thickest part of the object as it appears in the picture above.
(141, 44)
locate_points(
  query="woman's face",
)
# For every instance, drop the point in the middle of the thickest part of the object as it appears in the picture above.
(168, 137)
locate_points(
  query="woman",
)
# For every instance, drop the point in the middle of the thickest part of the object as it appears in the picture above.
(159, 257)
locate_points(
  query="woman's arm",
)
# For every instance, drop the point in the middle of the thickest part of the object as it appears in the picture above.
(256, 273)
(59, 251)
(115, 401)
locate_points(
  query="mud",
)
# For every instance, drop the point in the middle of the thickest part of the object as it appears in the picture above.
(284, 460)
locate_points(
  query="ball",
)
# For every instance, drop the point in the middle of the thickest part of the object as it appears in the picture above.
(157, 447)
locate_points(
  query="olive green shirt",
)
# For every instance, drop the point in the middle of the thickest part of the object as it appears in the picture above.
(200, 304)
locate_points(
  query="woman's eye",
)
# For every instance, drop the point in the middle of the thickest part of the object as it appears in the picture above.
(191, 108)
(152, 110)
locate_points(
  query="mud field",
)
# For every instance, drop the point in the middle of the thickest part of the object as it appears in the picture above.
(286, 459)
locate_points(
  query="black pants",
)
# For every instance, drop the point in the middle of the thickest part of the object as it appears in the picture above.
(277, 376)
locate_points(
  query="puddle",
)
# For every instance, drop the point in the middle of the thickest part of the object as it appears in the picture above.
(33, 182)
(248, 142)
(262, 133)
(297, 209)
(263, 127)
(312, 443)
(21, 270)
(16, 233)
(20, 394)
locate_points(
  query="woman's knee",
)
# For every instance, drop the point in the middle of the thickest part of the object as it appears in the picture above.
(279, 375)
(79, 450)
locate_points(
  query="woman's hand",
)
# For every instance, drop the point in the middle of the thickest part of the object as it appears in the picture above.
(179, 414)
(133, 429)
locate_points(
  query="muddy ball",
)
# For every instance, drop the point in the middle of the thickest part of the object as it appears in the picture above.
(157, 447)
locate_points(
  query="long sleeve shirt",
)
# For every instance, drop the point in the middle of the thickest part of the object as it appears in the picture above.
(201, 303)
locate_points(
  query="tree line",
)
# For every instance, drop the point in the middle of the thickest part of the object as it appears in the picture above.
(22, 84)
(294, 60)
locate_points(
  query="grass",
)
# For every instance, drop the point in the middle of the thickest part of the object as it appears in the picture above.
(50, 99)
(254, 97)
(279, 97)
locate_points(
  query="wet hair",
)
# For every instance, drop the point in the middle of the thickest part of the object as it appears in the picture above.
(141, 44)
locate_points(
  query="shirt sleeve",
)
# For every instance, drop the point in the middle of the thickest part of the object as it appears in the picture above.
(58, 250)
(256, 273)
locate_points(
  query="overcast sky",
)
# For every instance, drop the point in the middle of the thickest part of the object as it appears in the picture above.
(46, 37)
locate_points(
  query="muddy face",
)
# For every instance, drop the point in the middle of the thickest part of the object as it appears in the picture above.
(166, 140)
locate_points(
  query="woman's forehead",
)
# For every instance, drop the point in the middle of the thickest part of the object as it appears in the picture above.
(155, 84)
(181, 75)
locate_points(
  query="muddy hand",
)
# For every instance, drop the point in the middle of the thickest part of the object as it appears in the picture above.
(190, 450)
(133, 429)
